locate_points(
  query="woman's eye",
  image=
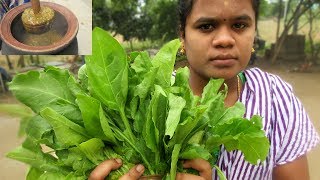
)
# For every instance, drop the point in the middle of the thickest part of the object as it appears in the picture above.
(206, 27)
(239, 26)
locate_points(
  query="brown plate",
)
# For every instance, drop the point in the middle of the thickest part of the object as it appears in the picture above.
(11, 31)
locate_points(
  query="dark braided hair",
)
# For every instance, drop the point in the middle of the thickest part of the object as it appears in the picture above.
(185, 7)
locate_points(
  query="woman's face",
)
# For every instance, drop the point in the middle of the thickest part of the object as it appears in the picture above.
(218, 37)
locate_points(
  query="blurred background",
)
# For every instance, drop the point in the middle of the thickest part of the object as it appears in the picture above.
(287, 44)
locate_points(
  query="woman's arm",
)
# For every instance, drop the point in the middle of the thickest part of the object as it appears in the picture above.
(295, 170)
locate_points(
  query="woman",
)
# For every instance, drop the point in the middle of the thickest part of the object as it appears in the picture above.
(217, 37)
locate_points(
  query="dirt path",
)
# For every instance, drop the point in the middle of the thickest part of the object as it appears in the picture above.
(10, 169)
(306, 87)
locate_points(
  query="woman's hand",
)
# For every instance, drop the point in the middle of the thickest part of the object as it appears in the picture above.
(104, 169)
(203, 166)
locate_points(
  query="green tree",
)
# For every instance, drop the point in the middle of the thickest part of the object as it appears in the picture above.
(264, 10)
(126, 17)
(270, 9)
(301, 7)
(101, 14)
(165, 20)
(140, 19)
(314, 46)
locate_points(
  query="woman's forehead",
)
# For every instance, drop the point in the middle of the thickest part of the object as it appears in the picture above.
(224, 9)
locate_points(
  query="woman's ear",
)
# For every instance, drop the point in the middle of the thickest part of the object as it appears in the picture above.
(181, 36)
(181, 33)
(182, 47)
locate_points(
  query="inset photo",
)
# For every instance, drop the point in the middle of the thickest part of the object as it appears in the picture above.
(50, 27)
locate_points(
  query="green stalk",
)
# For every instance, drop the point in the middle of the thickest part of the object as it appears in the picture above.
(220, 173)
(136, 149)
(157, 158)
(174, 160)
(194, 131)
(126, 124)
(132, 138)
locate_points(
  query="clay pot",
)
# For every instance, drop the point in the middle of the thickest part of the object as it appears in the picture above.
(65, 23)
(151, 177)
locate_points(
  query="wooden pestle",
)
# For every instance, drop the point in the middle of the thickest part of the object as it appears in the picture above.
(35, 6)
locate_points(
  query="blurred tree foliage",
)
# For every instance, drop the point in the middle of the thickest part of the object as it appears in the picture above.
(141, 19)
(165, 19)
(101, 15)
(268, 10)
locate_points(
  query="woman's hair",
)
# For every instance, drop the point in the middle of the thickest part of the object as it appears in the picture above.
(185, 7)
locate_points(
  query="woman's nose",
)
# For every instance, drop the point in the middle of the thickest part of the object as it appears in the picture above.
(223, 38)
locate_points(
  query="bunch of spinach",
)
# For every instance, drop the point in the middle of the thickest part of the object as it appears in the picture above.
(130, 107)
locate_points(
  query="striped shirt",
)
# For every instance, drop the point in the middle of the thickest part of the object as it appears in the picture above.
(285, 122)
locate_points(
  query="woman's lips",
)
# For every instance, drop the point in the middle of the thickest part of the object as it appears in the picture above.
(225, 61)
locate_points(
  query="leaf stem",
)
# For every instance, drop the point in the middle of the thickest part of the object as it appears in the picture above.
(136, 149)
(132, 139)
(126, 124)
(157, 159)
(220, 173)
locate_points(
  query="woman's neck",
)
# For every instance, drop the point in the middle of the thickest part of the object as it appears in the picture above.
(197, 84)
(233, 95)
